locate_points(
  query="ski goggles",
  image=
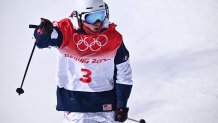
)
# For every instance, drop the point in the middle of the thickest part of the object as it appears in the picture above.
(93, 17)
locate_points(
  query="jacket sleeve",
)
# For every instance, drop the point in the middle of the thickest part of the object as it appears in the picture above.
(123, 76)
(45, 41)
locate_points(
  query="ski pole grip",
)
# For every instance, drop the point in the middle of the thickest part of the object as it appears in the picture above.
(33, 26)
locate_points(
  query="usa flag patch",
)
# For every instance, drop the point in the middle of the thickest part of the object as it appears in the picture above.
(107, 107)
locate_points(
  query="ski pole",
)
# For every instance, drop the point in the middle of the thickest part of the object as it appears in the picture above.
(20, 90)
(140, 121)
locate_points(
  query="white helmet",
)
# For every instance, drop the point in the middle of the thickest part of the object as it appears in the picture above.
(82, 6)
(88, 5)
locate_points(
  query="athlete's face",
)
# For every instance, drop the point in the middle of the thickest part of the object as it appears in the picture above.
(96, 27)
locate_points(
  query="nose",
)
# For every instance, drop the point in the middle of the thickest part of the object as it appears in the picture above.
(97, 22)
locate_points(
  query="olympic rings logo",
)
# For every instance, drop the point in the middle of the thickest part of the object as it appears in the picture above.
(85, 43)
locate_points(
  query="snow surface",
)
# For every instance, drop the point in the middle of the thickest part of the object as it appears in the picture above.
(174, 56)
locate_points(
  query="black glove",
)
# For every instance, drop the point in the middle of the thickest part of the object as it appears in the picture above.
(121, 114)
(45, 26)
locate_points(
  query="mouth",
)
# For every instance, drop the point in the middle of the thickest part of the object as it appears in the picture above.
(96, 28)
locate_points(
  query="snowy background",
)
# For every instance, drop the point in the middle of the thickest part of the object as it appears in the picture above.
(174, 55)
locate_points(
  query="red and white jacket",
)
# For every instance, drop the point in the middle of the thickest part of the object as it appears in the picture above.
(94, 73)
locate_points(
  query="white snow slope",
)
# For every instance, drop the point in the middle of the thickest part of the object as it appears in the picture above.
(174, 56)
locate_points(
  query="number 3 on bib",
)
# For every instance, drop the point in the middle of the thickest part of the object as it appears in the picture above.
(86, 78)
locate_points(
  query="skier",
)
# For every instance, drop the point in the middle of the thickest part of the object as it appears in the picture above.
(94, 77)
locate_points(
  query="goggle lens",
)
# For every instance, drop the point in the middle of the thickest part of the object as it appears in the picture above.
(92, 17)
